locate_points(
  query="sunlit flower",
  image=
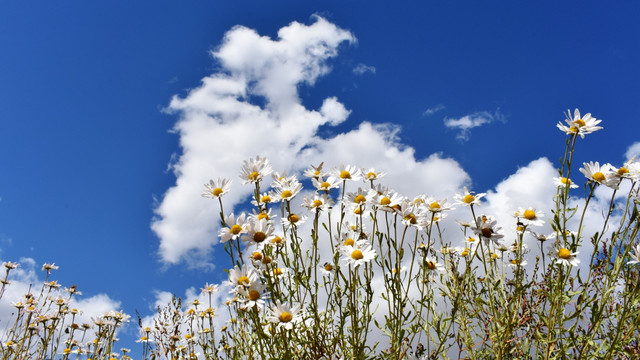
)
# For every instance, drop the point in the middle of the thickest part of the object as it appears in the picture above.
(327, 268)
(603, 175)
(265, 198)
(48, 267)
(326, 184)
(315, 172)
(294, 219)
(215, 189)
(579, 125)
(286, 191)
(347, 172)
(359, 253)
(262, 215)
(630, 170)
(235, 227)
(253, 295)
(468, 198)
(563, 181)
(371, 174)
(317, 202)
(386, 200)
(635, 256)
(253, 170)
(413, 215)
(285, 316)
(530, 216)
(487, 229)
(564, 256)
(209, 288)
(517, 263)
(258, 231)
(242, 277)
(437, 205)
(10, 265)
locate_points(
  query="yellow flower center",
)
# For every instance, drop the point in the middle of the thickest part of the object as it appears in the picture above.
(357, 210)
(277, 271)
(259, 236)
(359, 198)
(293, 218)
(565, 181)
(266, 260)
(243, 280)
(411, 219)
(328, 267)
(317, 203)
(265, 199)
(564, 253)
(434, 205)
(494, 256)
(263, 215)
(349, 242)
(529, 214)
(623, 171)
(217, 191)
(285, 317)
(514, 262)
(385, 201)
(257, 256)
(277, 240)
(344, 174)
(431, 265)
(254, 295)
(254, 176)
(357, 255)
(468, 199)
(316, 173)
(286, 194)
(471, 239)
(235, 229)
(325, 185)
(579, 123)
(598, 176)
(573, 130)
(371, 175)
(465, 252)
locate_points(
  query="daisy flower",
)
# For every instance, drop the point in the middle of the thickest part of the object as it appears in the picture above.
(325, 185)
(317, 202)
(327, 268)
(515, 263)
(530, 216)
(235, 227)
(265, 198)
(347, 172)
(635, 256)
(48, 267)
(565, 257)
(579, 125)
(603, 175)
(315, 172)
(468, 198)
(413, 216)
(287, 191)
(359, 253)
(359, 197)
(437, 205)
(215, 189)
(253, 295)
(630, 170)
(285, 316)
(385, 200)
(242, 277)
(543, 237)
(432, 265)
(253, 170)
(258, 231)
(209, 288)
(563, 181)
(262, 215)
(293, 219)
(487, 229)
(371, 174)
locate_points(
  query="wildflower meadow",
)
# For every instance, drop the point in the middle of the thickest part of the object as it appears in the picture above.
(351, 269)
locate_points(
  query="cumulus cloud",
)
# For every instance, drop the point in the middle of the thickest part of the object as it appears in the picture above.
(362, 69)
(221, 123)
(633, 151)
(466, 123)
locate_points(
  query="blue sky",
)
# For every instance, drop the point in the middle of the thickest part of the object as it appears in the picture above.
(88, 136)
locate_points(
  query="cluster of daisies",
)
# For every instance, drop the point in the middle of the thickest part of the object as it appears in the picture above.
(45, 317)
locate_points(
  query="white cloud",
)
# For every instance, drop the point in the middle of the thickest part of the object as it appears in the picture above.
(433, 110)
(633, 151)
(466, 123)
(362, 69)
(220, 126)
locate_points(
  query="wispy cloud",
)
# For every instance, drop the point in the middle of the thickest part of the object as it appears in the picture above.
(466, 123)
(433, 110)
(361, 69)
(633, 151)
